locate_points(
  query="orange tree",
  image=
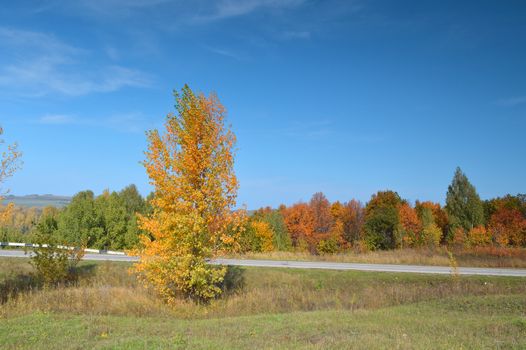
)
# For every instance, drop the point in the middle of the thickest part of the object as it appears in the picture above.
(299, 221)
(195, 188)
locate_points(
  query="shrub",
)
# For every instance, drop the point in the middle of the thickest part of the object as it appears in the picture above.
(381, 227)
(458, 236)
(54, 263)
(478, 236)
(327, 246)
(431, 235)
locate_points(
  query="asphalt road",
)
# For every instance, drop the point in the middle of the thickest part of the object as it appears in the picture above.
(483, 271)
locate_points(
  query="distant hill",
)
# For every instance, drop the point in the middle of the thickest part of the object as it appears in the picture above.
(39, 201)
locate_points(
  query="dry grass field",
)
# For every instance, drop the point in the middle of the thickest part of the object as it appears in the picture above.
(271, 308)
(473, 257)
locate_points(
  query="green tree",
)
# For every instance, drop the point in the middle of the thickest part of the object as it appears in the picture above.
(111, 213)
(463, 204)
(274, 218)
(382, 220)
(134, 204)
(80, 223)
(133, 201)
(108, 221)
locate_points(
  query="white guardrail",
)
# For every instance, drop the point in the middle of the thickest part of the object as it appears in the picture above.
(87, 250)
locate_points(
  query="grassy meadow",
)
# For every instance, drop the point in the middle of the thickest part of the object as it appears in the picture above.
(267, 308)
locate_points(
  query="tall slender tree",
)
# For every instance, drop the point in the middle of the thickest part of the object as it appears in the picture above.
(191, 169)
(321, 211)
(463, 204)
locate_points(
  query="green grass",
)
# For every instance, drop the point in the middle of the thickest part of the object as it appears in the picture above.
(277, 308)
(486, 322)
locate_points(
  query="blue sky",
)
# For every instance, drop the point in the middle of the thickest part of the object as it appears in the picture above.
(345, 97)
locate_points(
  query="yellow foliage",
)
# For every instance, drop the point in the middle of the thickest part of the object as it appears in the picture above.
(431, 235)
(6, 212)
(9, 163)
(191, 168)
(264, 232)
(479, 236)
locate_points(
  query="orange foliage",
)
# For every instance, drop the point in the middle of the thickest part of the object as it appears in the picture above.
(410, 224)
(479, 236)
(459, 236)
(300, 222)
(6, 213)
(508, 226)
(321, 211)
(439, 214)
(191, 168)
(339, 214)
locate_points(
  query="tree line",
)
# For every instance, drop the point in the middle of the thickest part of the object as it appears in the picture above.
(387, 221)
(108, 221)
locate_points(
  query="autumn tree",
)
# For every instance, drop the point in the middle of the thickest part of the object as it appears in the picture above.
(431, 233)
(439, 215)
(264, 234)
(321, 212)
(353, 220)
(337, 234)
(508, 226)
(191, 169)
(348, 220)
(478, 236)
(299, 221)
(517, 202)
(463, 204)
(410, 226)
(9, 164)
(274, 218)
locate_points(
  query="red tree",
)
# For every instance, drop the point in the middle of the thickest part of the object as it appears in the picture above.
(508, 227)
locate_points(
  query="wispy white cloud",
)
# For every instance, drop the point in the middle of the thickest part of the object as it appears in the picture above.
(225, 9)
(226, 53)
(512, 101)
(99, 8)
(16, 39)
(125, 122)
(193, 11)
(38, 64)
